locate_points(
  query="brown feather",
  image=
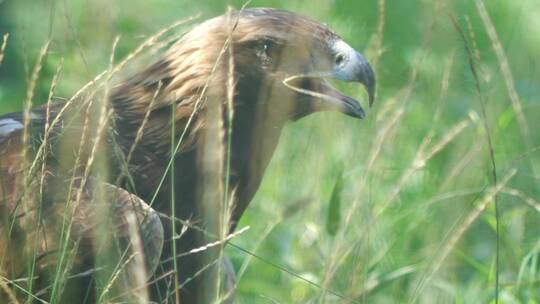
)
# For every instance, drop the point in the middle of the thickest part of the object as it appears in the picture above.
(191, 82)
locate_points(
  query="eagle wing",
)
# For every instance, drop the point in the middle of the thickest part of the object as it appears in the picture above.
(101, 219)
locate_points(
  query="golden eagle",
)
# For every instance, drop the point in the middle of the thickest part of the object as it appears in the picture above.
(191, 135)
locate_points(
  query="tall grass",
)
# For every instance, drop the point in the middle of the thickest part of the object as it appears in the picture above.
(439, 184)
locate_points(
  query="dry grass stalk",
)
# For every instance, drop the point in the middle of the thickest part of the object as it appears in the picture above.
(377, 39)
(27, 199)
(75, 37)
(198, 273)
(226, 208)
(386, 109)
(115, 277)
(489, 197)
(381, 137)
(505, 67)
(422, 155)
(445, 85)
(43, 174)
(4, 287)
(29, 99)
(111, 72)
(519, 194)
(405, 95)
(213, 166)
(152, 40)
(420, 161)
(67, 257)
(120, 296)
(102, 124)
(472, 35)
(84, 134)
(59, 116)
(47, 125)
(460, 165)
(43, 151)
(134, 266)
(474, 71)
(140, 131)
(526, 154)
(452, 195)
(104, 118)
(211, 263)
(185, 223)
(384, 278)
(214, 244)
(197, 105)
(296, 275)
(258, 243)
(64, 262)
(3, 47)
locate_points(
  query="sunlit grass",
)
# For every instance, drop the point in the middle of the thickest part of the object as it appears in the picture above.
(417, 221)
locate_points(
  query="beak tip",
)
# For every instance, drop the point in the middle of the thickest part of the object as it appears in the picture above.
(356, 113)
(362, 115)
(370, 84)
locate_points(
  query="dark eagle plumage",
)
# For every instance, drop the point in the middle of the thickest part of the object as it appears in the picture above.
(192, 135)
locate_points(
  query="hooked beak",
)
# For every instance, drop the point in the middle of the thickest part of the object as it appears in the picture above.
(349, 66)
(354, 67)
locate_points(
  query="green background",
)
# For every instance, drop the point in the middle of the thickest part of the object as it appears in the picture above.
(420, 249)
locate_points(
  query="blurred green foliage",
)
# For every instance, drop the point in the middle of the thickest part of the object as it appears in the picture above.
(374, 258)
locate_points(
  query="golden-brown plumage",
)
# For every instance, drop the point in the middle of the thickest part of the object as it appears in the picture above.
(229, 80)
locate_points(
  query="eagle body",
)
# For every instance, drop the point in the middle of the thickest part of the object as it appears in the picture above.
(188, 139)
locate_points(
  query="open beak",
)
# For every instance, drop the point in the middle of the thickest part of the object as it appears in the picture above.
(350, 66)
(333, 99)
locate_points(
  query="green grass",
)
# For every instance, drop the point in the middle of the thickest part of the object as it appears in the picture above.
(417, 220)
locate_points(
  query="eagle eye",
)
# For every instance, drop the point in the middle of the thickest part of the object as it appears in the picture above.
(268, 51)
(340, 58)
(267, 46)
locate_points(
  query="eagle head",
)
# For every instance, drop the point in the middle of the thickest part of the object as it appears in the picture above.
(290, 57)
(283, 59)
(276, 62)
